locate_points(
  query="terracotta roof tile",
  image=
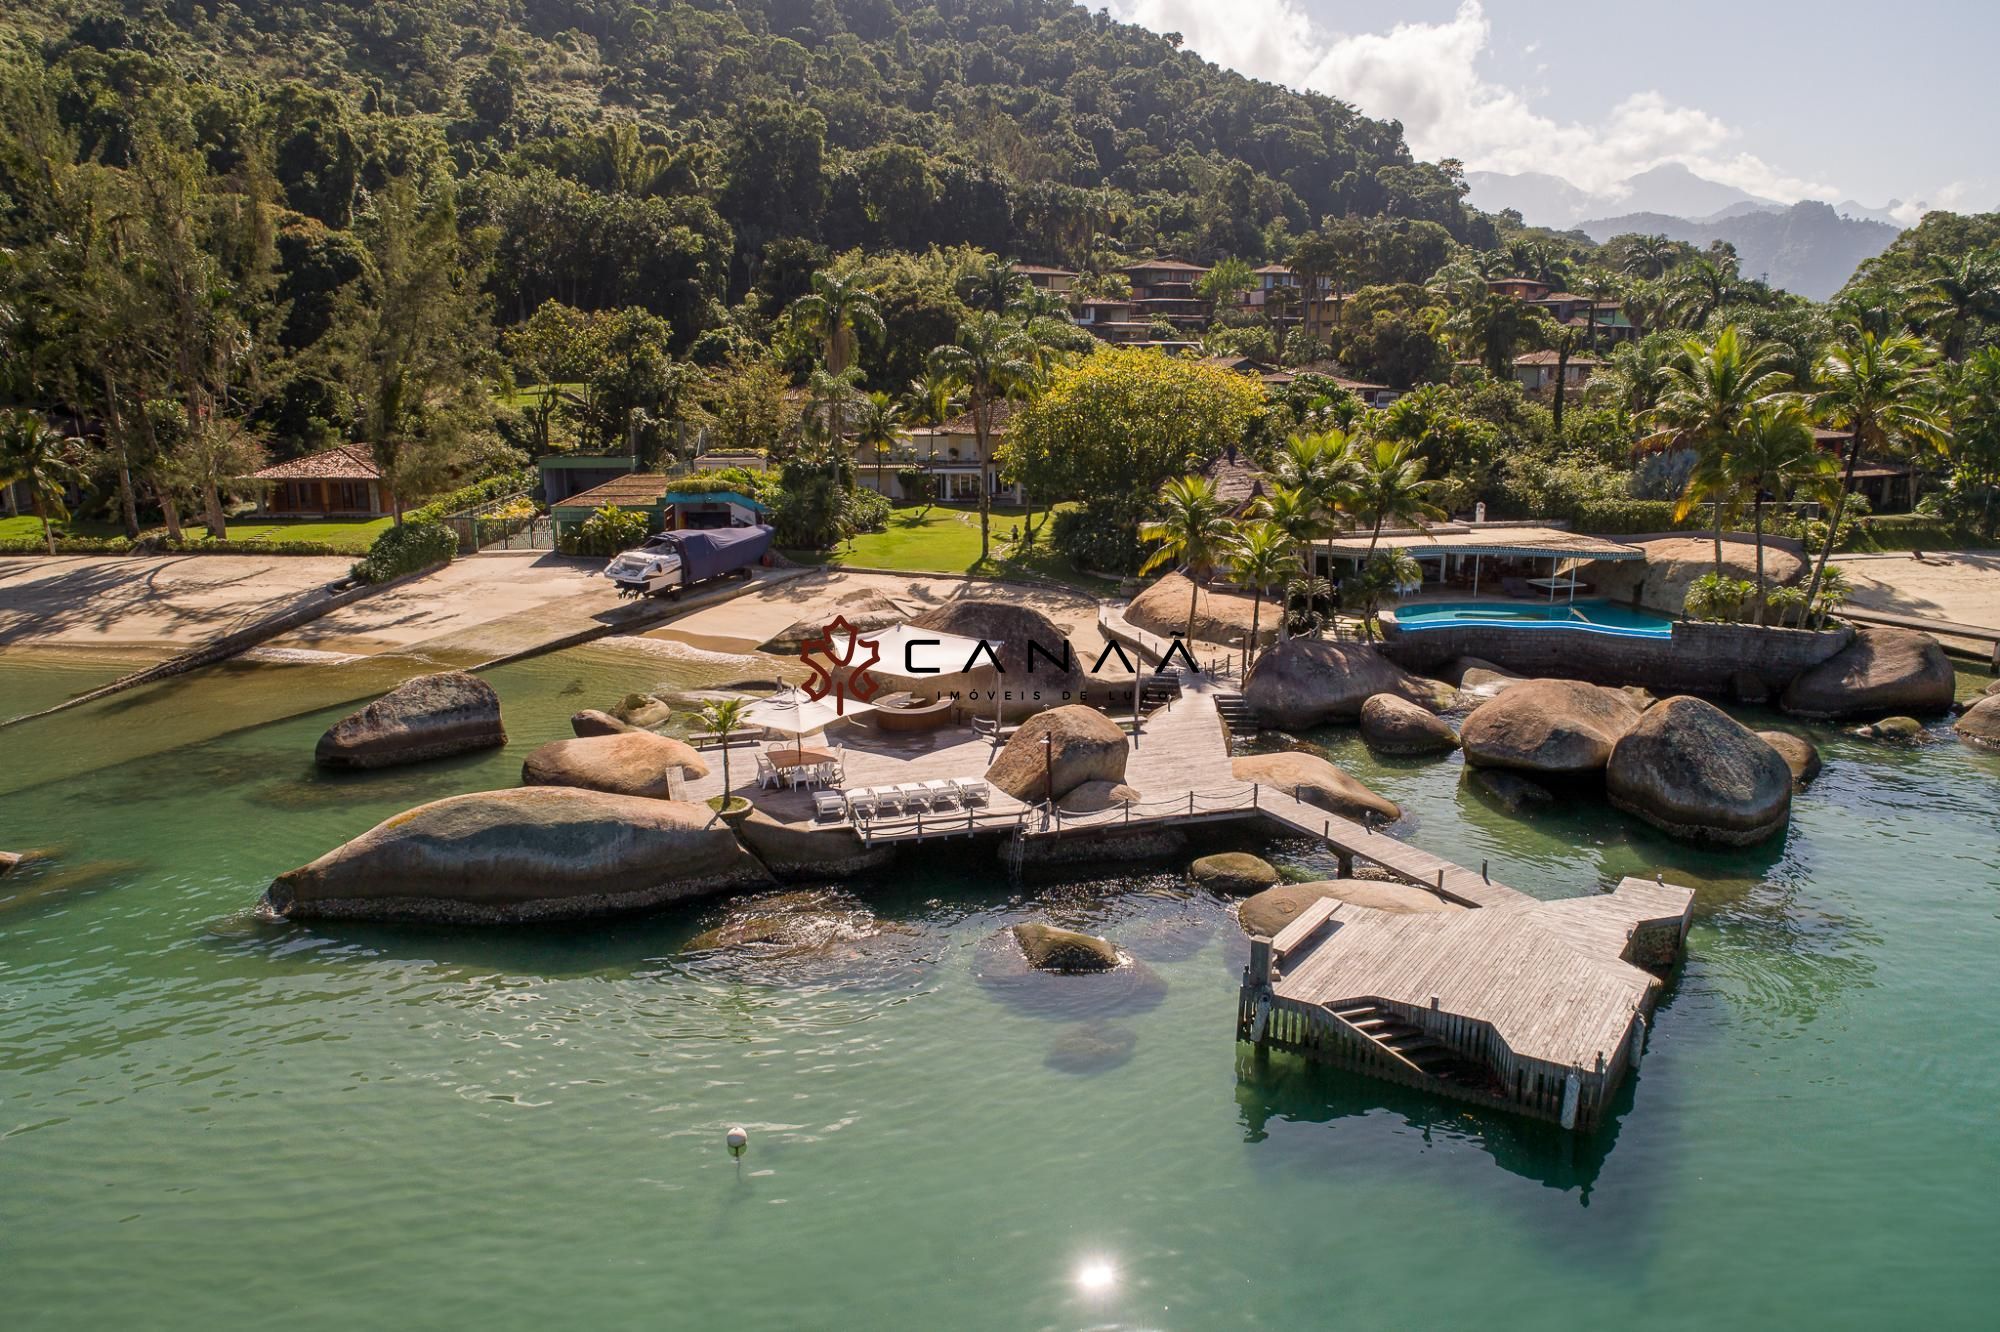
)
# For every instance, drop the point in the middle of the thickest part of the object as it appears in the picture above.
(344, 462)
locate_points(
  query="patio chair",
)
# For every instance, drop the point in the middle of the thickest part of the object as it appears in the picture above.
(940, 792)
(829, 804)
(913, 796)
(767, 772)
(973, 790)
(863, 802)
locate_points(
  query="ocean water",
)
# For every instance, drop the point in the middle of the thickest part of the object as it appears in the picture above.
(208, 1121)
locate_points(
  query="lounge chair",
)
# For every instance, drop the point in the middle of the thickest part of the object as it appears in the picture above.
(913, 795)
(829, 804)
(972, 790)
(940, 792)
(863, 802)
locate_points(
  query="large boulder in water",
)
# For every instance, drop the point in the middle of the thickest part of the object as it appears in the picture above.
(1270, 911)
(1310, 778)
(1306, 682)
(1690, 769)
(793, 851)
(432, 716)
(1048, 948)
(1799, 754)
(1556, 727)
(1660, 581)
(1980, 723)
(532, 853)
(1392, 725)
(635, 763)
(1882, 671)
(1059, 675)
(591, 722)
(1233, 872)
(1219, 617)
(1087, 747)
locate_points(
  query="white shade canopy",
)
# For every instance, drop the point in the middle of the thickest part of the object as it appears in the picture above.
(907, 652)
(791, 712)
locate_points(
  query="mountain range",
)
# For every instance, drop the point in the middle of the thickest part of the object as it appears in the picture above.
(1810, 248)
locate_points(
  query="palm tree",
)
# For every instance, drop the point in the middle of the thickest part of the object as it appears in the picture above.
(1381, 577)
(877, 427)
(829, 392)
(1958, 294)
(1877, 389)
(1261, 555)
(1650, 256)
(43, 459)
(991, 357)
(933, 397)
(723, 716)
(1774, 452)
(992, 285)
(1704, 285)
(1708, 389)
(1316, 467)
(1193, 530)
(839, 310)
(1280, 304)
(1386, 485)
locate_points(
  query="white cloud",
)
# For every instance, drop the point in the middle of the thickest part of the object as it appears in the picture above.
(1427, 76)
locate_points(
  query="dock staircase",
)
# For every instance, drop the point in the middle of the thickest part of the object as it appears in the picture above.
(1410, 1046)
(1159, 689)
(1235, 711)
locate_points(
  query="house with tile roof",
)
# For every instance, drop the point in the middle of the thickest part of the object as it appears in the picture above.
(340, 482)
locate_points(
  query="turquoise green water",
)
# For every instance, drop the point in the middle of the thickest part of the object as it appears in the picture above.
(206, 1121)
(1588, 616)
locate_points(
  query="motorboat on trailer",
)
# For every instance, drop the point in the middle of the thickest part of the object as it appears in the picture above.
(667, 562)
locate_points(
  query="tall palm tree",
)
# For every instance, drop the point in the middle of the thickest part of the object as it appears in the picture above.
(829, 392)
(1386, 485)
(991, 358)
(1650, 256)
(877, 427)
(1317, 466)
(1193, 530)
(1775, 453)
(992, 285)
(1281, 304)
(722, 716)
(1708, 389)
(1955, 296)
(43, 459)
(1877, 389)
(1261, 555)
(840, 311)
(933, 397)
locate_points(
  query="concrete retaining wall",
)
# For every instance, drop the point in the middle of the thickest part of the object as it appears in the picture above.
(1698, 659)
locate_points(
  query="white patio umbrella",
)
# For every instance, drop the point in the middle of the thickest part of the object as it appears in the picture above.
(792, 712)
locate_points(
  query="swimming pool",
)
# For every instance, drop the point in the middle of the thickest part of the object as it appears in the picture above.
(1590, 616)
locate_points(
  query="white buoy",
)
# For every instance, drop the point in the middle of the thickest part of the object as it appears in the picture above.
(737, 1140)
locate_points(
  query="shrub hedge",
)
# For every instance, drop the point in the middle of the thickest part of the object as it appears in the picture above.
(466, 497)
(406, 549)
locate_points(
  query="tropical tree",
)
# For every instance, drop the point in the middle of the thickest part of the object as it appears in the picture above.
(1193, 530)
(877, 427)
(1221, 284)
(1385, 484)
(1382, 578)
(1704, 285)
(1315, 466)
(1493, 326)
(933, 397)
(1261, 555)
(993, 284)
(1878, 390)
(838, 311)
(1281, 304)
(1958, 293)
(1775, 453)
(992, 357)
(1298, 514)
(43, 459)
(1709, 388)
(723, 716)
(1650, 256)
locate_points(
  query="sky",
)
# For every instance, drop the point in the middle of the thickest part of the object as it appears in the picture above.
(1791, 100)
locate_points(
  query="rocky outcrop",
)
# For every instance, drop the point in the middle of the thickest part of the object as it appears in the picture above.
(1660, 581)
(1509, 790)
(792, 852)
(1306, 682)
(1233, 872)
(1690, 769)
(1554, 727)
(532, 853)
(1270, 911)
(642, 710)
(1980, 723)
(1895, 730)
(1479, 678)
(1096, 797)
(1799, 754)
(634, 763)
(1050, 949)
(1312, 779)
(1882, 671)
(1087, 746)
(1219, 617)
(432, 716)
(592, 722)
(1392, 725)
(1058, 677)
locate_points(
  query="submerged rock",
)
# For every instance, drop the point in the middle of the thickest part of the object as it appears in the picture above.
(1306, 682)
(1881, 671)
(591, 722)
(642, 710)
(1087, 746)
(1557, 727)
(532, 853)
(634, 763)
(1510, 790)
(1392, 725)
(1897, 730)
(8, 860)
(1048, 948)
(1310, 778)
(789, 923)
(1799, 754)
(1232, 872)
(1690, 769)
(1092, 1047)
(432, 716)
(1980, 723)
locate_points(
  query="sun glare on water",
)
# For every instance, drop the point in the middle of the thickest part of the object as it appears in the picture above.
(1096, 1275)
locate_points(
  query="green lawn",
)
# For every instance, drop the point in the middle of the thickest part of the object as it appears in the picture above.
(349, 535)
(935, 538)
(29, 528)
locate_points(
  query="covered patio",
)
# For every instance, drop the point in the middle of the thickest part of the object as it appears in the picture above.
(1494, 561)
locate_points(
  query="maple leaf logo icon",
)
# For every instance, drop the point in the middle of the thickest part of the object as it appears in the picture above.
(831, 659)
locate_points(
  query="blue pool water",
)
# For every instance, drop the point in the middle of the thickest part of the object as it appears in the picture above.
(1590, 616)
